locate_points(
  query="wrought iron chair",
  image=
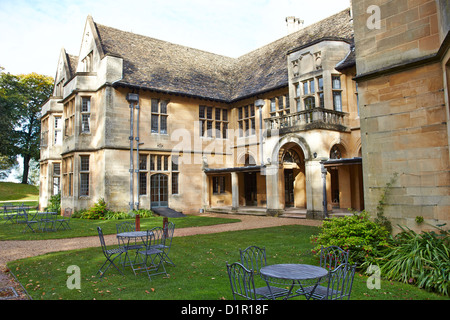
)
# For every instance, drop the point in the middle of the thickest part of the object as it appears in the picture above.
(63, 222)
(153, 257)
(47, 221)
(333, 256)
(166, 244)
(242, 282)
(339, 284)
(254, 258)
(110, 254)
(128, 226)
(8, 214)
(30, 223)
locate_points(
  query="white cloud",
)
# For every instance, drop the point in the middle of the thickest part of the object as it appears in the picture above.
(33, 31)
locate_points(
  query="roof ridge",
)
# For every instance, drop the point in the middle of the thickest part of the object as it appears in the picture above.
(163, 41)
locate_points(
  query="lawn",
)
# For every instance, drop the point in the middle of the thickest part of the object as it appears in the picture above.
(17, 191)
(200, 271)
(86, 228)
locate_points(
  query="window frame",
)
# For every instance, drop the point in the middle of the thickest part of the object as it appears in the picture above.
(219, 185)
(212, 122)
(159, 116)
(84, 174)
(336, 92)
(247, 120)
(85, 114)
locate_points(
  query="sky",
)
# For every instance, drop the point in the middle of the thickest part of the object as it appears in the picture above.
(33, 32)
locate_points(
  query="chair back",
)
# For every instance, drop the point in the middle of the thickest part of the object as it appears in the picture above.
(340, 282)
(333, 256)
(241, 281)
(155, 237)
(126, 226)
(253, 258)
(102, 239)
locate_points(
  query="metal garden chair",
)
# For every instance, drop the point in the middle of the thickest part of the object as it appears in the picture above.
(63, 222)
(167, 243)
(153, 257)
(339, 284)
(242, 282)
(9, 214)
(128, 226)
(254, 258)
(333, 256)
(110, 254)
(47, 221)
(31, 223)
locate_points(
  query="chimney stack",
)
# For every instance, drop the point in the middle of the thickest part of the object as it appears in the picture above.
(294, 24)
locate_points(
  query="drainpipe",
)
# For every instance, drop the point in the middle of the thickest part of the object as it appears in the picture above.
(324, 184)
(137, 151)
(259, 104)
(132, 98)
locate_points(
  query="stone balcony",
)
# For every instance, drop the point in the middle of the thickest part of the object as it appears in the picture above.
(317, 118)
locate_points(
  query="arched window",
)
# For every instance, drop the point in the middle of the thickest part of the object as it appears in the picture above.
(249, 160)
(335, 152)
(290, 156)
(310, 103)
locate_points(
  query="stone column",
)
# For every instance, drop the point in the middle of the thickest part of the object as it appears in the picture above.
(234, 191)
(273, 196)
(314, 190)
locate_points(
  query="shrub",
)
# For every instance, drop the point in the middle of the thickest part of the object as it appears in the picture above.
(363, 238)
(98, 211)
(420, 259)
(55, 203)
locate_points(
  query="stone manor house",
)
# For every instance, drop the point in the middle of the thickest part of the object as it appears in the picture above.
(288, 128)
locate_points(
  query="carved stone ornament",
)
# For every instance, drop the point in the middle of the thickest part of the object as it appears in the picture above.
(295, 68)
(318, 60)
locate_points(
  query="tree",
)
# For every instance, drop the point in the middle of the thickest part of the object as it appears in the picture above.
(21, 98)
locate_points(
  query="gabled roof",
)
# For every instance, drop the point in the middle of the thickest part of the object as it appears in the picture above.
(162, 66)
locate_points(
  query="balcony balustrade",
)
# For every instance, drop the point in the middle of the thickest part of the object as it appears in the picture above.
(316, 118)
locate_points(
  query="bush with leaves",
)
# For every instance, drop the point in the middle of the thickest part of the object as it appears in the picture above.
(98, 211)
(55, 203)
(420, 259)
(363, 238)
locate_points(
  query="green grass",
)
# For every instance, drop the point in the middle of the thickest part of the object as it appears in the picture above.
(17, 191)
(200, 272)
(86, 228)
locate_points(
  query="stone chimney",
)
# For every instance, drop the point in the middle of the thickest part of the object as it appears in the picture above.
(294, 24)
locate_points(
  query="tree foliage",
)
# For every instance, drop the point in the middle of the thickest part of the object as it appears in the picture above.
(21, 99)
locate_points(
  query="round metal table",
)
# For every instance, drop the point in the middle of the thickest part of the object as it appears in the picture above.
(125, 238)
(294, 274)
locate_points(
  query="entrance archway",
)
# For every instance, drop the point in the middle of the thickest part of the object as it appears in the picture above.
(293, 175)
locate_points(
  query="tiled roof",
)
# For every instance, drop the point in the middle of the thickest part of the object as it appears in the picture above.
(162, 66)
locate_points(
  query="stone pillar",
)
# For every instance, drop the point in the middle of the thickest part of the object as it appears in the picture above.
(205, 191)
(273, 196)
(314, 190)
(234, 191)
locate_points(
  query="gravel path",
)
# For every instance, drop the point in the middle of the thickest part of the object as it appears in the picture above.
(13, 250)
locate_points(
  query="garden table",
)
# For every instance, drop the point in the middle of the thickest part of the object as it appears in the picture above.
(129, 240)
(293, 274)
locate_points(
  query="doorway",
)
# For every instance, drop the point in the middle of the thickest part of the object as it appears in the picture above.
(289, 187)
(250, 189)
(159, 191)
